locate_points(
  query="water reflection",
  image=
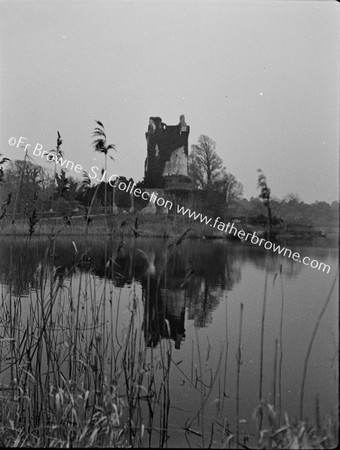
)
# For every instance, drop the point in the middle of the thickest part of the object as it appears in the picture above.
(174, 279)
(191, 294)
(212, 264)
(191, 277)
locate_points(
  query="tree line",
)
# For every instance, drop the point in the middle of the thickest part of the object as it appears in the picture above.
(24, 183)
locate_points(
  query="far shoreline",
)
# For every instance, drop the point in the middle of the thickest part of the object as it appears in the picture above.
(153, 226)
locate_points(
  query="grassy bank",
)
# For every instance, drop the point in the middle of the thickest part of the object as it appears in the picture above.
(158, 225)
(161, 226)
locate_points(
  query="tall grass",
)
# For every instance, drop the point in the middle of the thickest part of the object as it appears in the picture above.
(63, 368)
(262, 348)
(281, 345)
(309, 349)
(239, 362)
(161, 226)
(78, 371)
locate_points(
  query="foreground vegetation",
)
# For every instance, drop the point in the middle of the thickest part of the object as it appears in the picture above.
(72, 375)
(158, 225)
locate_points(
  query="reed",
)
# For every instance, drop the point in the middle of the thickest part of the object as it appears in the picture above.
(98, 223)
(261, 348)
(239, 362)
(77, 374)
(281, 347)
(310, 345)
(297, 434)
(61, 394)
(274, 373)
(225, 355)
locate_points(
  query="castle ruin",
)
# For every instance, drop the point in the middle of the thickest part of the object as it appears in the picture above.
(166, 165)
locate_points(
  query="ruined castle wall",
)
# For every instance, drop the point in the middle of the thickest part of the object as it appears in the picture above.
(167, 151)
(177, 164)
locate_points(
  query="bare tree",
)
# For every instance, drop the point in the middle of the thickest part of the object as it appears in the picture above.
(229, 185)
(28, 175)
(205, 166)
(19, 186)
(292, 197)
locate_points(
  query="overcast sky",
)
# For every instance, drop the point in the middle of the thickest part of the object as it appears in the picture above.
(260, 78)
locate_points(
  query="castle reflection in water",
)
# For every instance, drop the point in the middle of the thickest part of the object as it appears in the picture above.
(184, 282)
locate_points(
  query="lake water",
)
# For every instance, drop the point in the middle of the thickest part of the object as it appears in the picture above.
(186, 300)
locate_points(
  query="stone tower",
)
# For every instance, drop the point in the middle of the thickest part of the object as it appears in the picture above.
(166, 165)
